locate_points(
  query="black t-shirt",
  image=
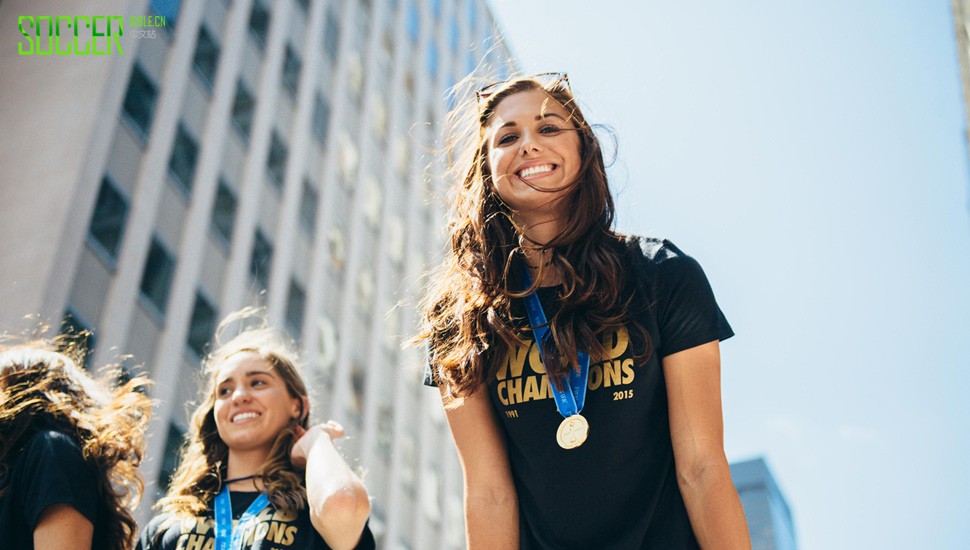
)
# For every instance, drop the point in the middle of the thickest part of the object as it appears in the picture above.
(273, 530)
(619, 489)
(49, 470)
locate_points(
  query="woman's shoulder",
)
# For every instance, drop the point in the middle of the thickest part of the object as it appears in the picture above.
(161, 532)
(49, 441)
(656, 254)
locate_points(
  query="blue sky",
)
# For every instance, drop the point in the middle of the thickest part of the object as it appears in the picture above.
(811, 156)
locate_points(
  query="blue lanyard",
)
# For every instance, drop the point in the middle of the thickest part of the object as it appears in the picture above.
(228, 538)
(571, 398)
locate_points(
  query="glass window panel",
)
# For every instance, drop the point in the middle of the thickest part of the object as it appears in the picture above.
(156, 280)
(108, 221)
(321, 119)
(185, 153)
(242, 109)
(224, 211)
(291, 72)
(295, 307)
(139, 103)
(308, 208)
(261, 259)
(201, 326)
(276, 163)
(331, 35)
(259, 22)
(205, 61)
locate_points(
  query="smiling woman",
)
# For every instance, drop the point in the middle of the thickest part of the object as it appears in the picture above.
(623, 372)
(253, 456)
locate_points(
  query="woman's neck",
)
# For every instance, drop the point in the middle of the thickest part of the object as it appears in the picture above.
(538, 260)
(243, 466)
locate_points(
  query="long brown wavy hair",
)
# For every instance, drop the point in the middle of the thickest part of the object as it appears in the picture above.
(42, 387)
(204, 457)
(467, 320)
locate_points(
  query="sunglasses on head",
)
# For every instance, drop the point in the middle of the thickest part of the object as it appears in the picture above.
(547, 80)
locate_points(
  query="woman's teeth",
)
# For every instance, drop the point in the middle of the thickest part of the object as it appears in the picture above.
(533, 170)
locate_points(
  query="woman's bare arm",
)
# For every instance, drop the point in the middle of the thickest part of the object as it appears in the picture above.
(697, 432)
(62, 527)
(491, 503)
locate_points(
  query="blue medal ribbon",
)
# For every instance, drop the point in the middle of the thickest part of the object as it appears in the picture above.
(228, 538)
(571, 398)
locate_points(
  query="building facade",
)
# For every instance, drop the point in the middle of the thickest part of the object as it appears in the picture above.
(249, 152)
(769, 518)
(961, 23)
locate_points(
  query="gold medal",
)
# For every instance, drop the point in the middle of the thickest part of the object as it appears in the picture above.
(572, 432)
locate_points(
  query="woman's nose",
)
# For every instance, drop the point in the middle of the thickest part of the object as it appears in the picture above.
(240, 394)
(528, 144)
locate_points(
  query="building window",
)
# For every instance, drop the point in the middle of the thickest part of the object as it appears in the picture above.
(260, 261)
(308, 208)
(242, 110)
(108, 221)
(80, 332)
(453, 34)
(276, 164)
(202, 325)
(140, 100)
(321, 119)
(259, 22)
(291, 72)
(224, 211)
(205, 61)
(185, 153)
(156, 281)
(472, 13)
(331, 35)
(295, 302)
(413, 21)
(432, 59)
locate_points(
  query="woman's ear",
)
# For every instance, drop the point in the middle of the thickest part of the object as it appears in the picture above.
(303, 409)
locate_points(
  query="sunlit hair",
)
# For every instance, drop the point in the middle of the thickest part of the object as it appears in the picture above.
(204, 458)
(467, 314)
(42, 387)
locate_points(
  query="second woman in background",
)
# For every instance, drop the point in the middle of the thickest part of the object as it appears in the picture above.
(255, 474)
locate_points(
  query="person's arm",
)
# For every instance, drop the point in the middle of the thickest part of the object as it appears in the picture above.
(62, 527)
(339, 504)
(697, 431)
(491, 503)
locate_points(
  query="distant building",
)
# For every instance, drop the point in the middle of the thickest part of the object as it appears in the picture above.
(769, 519)
(961, 22)
(248, 152)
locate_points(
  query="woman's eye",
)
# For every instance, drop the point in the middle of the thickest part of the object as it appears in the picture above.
(222, 392)
(507, 138)
(258, 382)
(550, 129)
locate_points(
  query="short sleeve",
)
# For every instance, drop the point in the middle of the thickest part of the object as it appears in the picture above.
(55, 472)
(161, 533)
(687, 313)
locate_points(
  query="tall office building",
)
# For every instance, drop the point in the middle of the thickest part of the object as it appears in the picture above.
(248, 152)
(961, 23)
(769, 519)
